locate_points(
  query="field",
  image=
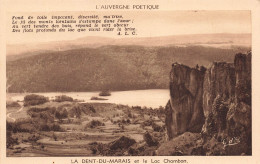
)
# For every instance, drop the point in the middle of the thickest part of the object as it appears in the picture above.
(82, 129)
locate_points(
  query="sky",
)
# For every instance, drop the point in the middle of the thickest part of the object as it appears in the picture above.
(147, 23)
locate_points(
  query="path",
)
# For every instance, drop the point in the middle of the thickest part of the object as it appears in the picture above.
(9, 114)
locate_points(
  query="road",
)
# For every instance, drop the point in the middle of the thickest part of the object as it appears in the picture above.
(9, 114)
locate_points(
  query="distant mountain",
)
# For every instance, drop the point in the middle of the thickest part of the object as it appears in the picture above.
(121, 67)
(212, 40)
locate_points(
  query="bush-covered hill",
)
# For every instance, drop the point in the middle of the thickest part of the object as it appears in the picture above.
(107, 67)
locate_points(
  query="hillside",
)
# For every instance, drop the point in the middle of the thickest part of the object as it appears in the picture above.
(107, 67)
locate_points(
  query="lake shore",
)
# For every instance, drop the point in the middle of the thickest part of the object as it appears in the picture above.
(146, 98)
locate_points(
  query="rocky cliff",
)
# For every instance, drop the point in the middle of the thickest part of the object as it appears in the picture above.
(184, 110)
(218, 92)
(215, 102)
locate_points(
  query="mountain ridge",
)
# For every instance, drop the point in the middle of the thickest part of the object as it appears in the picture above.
(224, 40)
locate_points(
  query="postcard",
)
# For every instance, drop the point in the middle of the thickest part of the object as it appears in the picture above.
(129, 82)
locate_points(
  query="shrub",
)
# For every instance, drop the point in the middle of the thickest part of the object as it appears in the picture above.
(129, 114)
(37, 110)
(147, 123)
(27, 127)
(9, 126)
(46, 114)
(50, 127)
(45, 127)
(10, 141)
(63, 98)
(94, 123)
(157, 128)
(105, 93)
(150, 140)
(10, 104)
(61, 114)
(55, 127)
(76, 111)
(92, 109)
(97, 98)
(20, 126)
(34, 99)
(33, 138)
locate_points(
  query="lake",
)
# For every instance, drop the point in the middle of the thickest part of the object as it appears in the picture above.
(150, 98)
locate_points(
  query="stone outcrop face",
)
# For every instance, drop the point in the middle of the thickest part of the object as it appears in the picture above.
(122, 143)
(184, 110)
(149, 139)
(219, 80)
(239, 118)
(184, 144)
(170, 126)
(230, 115)
(221, 95)
(243, 77)
(234, 97)
(218, 91)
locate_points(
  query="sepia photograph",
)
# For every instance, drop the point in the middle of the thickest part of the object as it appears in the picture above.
(164, 83)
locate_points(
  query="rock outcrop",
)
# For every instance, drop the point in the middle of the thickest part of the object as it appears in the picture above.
(218, 92)
(149, 139)
(184, 110)
(215, 102)
(243, 77)
(229, 116)
(122, 143)
(239, 116)
(185, 144)
(219, 80)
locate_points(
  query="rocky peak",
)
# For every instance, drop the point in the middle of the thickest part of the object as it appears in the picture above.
(219, 80)
(214, 101)
(185, 106)
(243, 77)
